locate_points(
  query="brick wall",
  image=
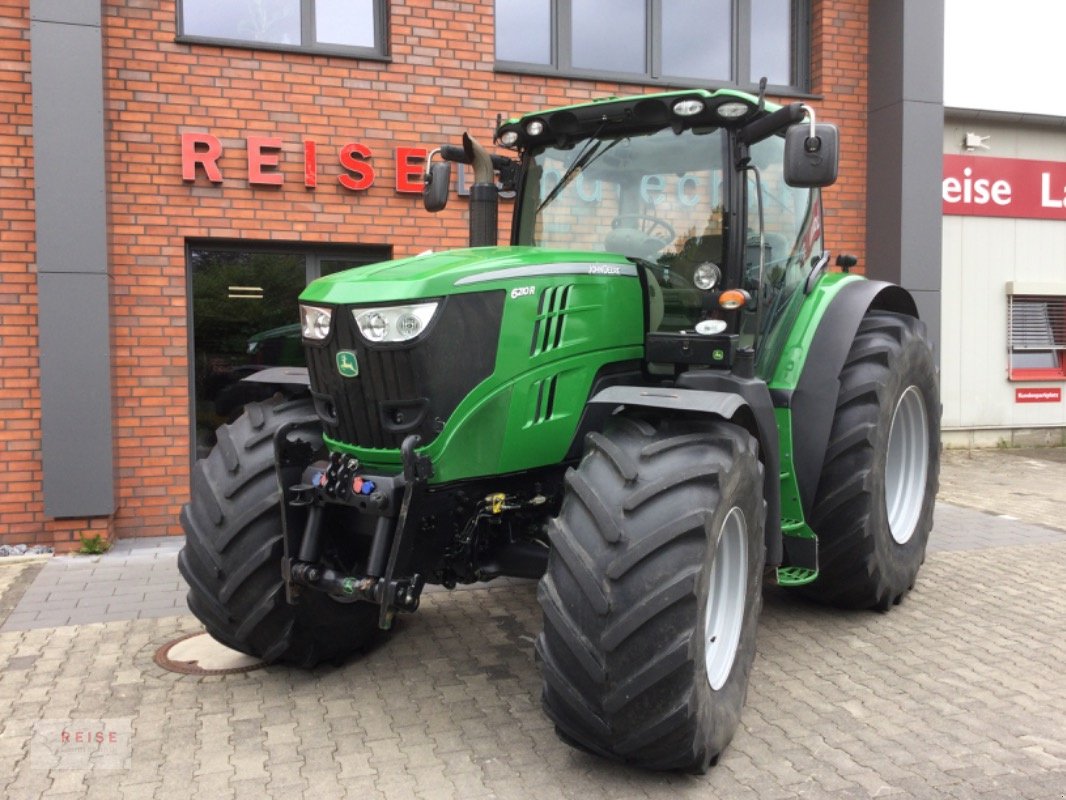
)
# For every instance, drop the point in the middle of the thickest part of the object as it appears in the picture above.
(839, 49)
(439, 83)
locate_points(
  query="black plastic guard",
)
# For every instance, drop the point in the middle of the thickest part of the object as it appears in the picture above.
(813, 401)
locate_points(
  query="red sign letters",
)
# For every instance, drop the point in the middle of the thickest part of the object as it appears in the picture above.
(200, 152)
(980, 186)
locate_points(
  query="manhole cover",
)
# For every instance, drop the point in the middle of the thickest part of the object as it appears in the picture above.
(199, 654)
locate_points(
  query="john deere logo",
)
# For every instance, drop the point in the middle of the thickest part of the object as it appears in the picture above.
(347, 365)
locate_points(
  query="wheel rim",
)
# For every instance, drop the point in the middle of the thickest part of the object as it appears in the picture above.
(906, 465)
(726, 596)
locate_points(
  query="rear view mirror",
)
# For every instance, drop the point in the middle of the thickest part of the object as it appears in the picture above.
(437, 183)
(811, 155)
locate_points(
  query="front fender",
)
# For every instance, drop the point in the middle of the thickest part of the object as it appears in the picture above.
(743, 401)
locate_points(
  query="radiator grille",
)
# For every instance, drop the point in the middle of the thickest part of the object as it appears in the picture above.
(407, 388)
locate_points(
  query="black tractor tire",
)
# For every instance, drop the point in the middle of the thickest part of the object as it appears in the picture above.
(873, 509)
(233, 552)
(655, 523)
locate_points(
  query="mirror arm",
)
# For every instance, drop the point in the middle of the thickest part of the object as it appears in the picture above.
(767, 126)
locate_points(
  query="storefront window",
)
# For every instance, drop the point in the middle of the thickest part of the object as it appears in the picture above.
(1037, 333)
(347, 27)
(245, 319)
(732, 42)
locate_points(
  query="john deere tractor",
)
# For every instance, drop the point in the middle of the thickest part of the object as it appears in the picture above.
(657, 397)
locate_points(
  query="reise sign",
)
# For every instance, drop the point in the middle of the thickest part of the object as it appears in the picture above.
(980, 186)
(201, 152)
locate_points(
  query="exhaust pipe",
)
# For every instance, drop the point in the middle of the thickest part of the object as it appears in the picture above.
(484, 199)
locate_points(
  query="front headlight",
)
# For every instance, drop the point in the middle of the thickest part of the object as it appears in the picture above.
(315, 322)
(394, 323)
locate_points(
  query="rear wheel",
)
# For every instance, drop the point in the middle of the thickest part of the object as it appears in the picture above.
(874, 507)
(652, 593)
(233, 551)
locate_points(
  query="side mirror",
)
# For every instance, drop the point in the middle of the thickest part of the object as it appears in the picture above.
(436, 185)
(812, 153)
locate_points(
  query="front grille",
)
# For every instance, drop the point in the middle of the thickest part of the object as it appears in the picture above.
(405, 388)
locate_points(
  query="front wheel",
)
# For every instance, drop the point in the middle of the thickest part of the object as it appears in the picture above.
(653, 591)
(233, 552)
(873, 510)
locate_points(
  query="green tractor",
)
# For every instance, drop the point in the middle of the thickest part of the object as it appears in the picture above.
(657, 397)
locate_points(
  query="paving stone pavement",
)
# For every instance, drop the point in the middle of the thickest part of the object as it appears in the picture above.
(960, 692)
(135, 579)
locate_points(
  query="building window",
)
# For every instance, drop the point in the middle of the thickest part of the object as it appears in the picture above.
(1036, 329)
(690, 42)
(340, 27)
(245, 318)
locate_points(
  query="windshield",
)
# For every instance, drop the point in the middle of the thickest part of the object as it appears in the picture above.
(656, 197)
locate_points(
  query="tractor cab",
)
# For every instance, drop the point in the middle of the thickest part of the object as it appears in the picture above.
(700, 190)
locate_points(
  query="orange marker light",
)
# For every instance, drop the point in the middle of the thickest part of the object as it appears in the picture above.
(733, 299)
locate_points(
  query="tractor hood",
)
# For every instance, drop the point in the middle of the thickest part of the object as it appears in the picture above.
(458, 272)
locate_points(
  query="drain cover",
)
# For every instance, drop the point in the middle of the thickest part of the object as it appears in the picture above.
(199, 654)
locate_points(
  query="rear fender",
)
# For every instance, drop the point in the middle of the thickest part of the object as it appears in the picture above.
(744, 402)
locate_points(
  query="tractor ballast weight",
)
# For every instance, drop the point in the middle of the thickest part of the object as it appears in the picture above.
(655, 393)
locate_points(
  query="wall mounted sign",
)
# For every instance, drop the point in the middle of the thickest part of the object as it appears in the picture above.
(982, 186)
(200, 154)
(1044, 394)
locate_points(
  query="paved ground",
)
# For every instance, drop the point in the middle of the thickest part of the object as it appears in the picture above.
(958, 693)
(1027, 484)
(136, 579)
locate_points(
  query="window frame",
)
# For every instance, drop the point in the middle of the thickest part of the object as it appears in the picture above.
(1057, 331)
(308, 45)
(561, 65)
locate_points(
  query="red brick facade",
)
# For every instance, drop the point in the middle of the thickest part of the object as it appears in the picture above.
(439, 82)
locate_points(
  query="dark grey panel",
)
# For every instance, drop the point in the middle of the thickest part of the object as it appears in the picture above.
(884, 193)
(75, 12)
(68, 127)
(905, 139)
(906, 51)
(885, 54)
(76, 395)
(921, 221)
(929, 311)
(72, 280)
(923, 50)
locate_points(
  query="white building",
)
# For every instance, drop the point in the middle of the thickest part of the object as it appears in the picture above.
(1003, 325)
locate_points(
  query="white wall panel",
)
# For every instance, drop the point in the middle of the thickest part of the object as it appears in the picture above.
(980, 256)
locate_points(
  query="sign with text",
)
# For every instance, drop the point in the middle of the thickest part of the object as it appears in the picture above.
(1048, 394)
(264, 155)
(200, 153)
(979, 186)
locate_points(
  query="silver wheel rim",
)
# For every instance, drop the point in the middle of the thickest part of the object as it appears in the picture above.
(727, 591)
(906, 465)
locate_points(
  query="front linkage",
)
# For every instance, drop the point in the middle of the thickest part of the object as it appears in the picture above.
(338, 481)
(409, 532)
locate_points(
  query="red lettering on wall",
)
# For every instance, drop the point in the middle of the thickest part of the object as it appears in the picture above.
(362, 176)
(264, 153)
(984, 186)
(203, 149)
(310, 164)
(409, 162)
